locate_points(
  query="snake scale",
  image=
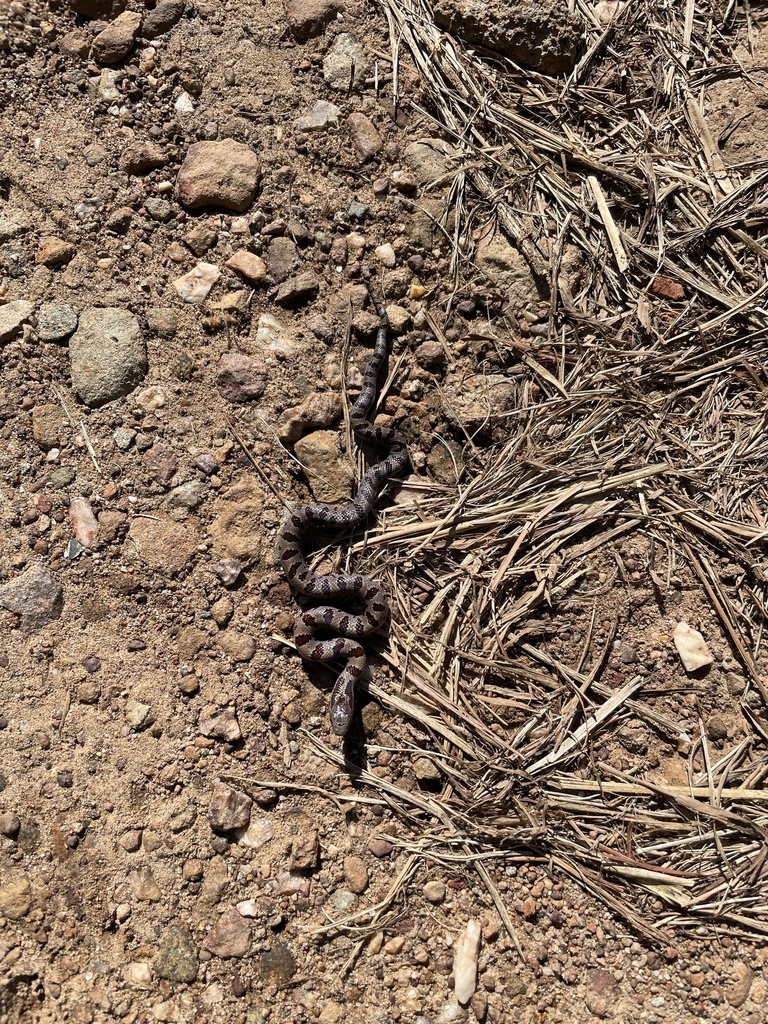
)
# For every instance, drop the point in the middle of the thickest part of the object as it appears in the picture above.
(369, 596)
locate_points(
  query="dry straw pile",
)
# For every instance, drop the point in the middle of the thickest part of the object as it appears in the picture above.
(638, 417)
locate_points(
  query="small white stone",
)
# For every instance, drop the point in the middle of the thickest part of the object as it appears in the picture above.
(195, 286)
(385, 254)
(272, 335)
(138, 974)
(691, 647)
(465, 962)
(356, 243)
(247, 909)
(184, 104)
(258, 834)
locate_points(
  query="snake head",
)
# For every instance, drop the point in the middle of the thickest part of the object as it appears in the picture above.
(340, 713)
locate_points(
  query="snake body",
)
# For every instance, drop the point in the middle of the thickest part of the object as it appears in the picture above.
(369, 595)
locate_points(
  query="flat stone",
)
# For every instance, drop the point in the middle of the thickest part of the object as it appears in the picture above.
(47, 423)
(117, 40)
(430, 160)
(159, 209)
(74, 44)
(108, 356)
(15, 898)
(224, 727)
(319, 409)
(189, 495)
(35, 596)
(345, 65)
(330, 475)
(143, 885)
(138, 714)
(366, 141)
(539, 34)
(55, 322)
(323, 115)
(282, 258)
(277, 966)
(238, 646)
(305, 851)
(177, 958)
(434, 891)
(161, 543)
(248, 264)
(119, 220)
(230, 936)
(236, 528)
(140, 157)
(275, 336)
(240, 378)
(691, 647)
(298, 289)
(225, 173)
(194, 286)
(309, 18)
(603, 992)
(12, 316)
(200, 238)
(160, 463)
(160, 20)
(13, 223)
(54, 252)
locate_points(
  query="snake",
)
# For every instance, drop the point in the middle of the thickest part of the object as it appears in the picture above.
(370, 598)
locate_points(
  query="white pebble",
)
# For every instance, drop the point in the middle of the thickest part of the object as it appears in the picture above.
(195, 286)
(465, 962)
(691, 647)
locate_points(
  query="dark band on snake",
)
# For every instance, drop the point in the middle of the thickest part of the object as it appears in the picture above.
(375, 608)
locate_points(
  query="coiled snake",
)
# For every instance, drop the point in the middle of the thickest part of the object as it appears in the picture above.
(365, 591)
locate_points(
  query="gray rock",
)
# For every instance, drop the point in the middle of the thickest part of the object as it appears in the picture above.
(158, 209)
(345, 66)
(12, 316)
(162, 18)
(176, 959)
(35, 596)
(55, 322)
(282, 258)
(277, 966)
(13, 223)
(108, 355)
(539, 34)
(189, 495)
(430, 160)
(323, 115)
(298, 289)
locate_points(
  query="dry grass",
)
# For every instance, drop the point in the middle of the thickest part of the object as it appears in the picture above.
(636, 417)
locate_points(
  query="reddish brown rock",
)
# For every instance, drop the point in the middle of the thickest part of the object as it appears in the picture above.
(229, 808)
(54, 252)
(366, 141)
(117, 40)
(240, 378)
(140, 157)
(225, 173)
(309, 18)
